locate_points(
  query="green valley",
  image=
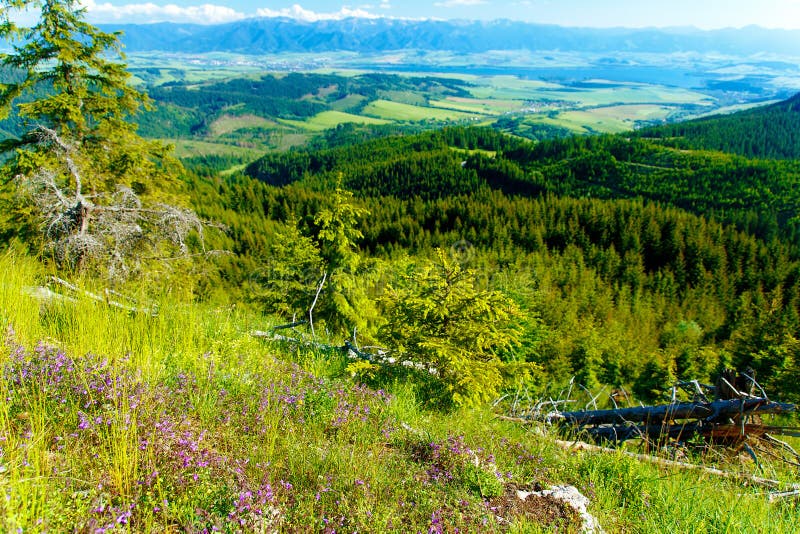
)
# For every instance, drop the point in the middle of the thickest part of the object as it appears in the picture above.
(357, 292)
(254, 111)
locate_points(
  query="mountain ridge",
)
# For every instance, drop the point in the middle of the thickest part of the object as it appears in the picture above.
(273, 35)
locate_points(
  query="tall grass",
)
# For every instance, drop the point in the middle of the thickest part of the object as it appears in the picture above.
(114, 421)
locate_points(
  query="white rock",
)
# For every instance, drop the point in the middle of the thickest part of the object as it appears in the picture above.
(575, 499)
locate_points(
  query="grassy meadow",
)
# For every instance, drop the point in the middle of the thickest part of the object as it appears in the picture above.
(398, 111)
(187, 148)
(231, 123)
(331, 119)
(114, 421)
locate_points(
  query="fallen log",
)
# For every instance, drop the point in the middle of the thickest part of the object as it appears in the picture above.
(653, 432)
(47, 294)
(714, 432)
(381, 357)
(732, 432)
(709, 411)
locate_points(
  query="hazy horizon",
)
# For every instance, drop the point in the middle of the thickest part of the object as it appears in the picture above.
(713, 14)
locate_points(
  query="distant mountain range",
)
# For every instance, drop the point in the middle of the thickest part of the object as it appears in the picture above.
(274, 35)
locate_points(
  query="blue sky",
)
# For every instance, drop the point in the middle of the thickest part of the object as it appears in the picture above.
(596, 13)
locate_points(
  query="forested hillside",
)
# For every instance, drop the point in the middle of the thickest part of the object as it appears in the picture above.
(640, 262)
(764, 132)
(186, 109)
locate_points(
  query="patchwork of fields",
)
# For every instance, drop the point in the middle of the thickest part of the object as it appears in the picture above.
(241, 106)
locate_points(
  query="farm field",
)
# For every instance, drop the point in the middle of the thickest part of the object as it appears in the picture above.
(231, 123)
(386, 109)
(570, 97)
(486, 106)
(186, 148)
(329, 119)
(332, 119)
(608, 119)
(602, 93)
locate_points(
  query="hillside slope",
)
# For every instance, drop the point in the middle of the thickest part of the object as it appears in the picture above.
(700, 240)
(765, 132)
(122, 422)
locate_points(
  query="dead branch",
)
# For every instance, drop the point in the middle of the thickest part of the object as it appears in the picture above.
(520, 420)
(783, 495)
(47, 294)
(776, 456)
(49, 135)
(153, 310)
(381, 357)
(112, 228)
(313, 304)
(294, 324)
(783, 444)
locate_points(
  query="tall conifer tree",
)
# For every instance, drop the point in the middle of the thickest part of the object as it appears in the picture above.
(96, 186)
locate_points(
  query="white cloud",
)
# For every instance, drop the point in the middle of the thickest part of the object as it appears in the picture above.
(150, 12)
(300, 13)
(460, 3)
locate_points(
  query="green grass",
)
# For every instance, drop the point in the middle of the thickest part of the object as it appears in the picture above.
(385, 109)
(184, 422)
(605, 119)
(405, 97)
(575, 120)
(347, 103)
(574, 128)
(736, 107)
(185, 148)
(330, 119)
(230, 123)
(484, 107)
(628, 94)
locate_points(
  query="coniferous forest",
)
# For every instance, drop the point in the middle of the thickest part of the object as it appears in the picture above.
(634, 256)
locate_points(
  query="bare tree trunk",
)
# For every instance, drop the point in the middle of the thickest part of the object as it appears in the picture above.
(313, 304)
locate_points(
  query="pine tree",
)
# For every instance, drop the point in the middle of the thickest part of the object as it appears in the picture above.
(96, 187)
(460, 333)
(287, 283)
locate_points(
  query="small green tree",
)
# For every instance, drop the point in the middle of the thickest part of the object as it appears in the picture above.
(655, 381)
(322, 279)
(338, 233)
(463, 335)
(288, 282)
(101, 194)
(786, 384)
(342, 294)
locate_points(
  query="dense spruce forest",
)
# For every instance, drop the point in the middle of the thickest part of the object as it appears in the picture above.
(634, 262)
(766, 132)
